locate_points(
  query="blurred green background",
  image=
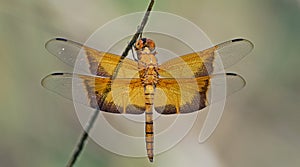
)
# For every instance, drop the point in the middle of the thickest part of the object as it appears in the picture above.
(261, 123)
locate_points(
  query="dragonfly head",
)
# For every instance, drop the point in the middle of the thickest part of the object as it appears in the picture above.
(144, 43)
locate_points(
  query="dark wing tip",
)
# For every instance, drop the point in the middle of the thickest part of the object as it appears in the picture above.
(55, 39)
(45, 80)
(58, 73)
(242, 39)
(236, 40)
(231, 74)
(61, 39)
(237, 77)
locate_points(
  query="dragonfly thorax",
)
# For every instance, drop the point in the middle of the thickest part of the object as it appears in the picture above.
(147, 61)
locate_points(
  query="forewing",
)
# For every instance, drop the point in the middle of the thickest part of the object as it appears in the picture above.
(185, 95)
(99, 63)
(125, 95)
(201, 63)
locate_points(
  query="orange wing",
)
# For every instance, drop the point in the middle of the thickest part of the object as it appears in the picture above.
(100, 63)
(172, 96)
(187, 93)
(183, 95)
(202, 63)
(190, 65)
(126, 95)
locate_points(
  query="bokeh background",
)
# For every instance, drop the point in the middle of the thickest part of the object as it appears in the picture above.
(261, 123)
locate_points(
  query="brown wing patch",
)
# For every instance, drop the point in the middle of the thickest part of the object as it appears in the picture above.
(191, 65)
(126, 95)
(104, 64)
(183, 95)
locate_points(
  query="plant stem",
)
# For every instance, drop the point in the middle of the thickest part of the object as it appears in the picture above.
(84, 136)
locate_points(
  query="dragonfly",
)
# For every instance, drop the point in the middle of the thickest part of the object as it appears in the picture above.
(142, 85)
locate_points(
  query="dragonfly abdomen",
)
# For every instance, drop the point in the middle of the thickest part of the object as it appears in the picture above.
(147, 65)
(149, 134)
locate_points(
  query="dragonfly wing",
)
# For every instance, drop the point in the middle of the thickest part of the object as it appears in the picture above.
(185, 95)
(174, 96)
(59, 83)
(233, 51)
(125, 95)
(234, 82)
(99, 63)
(201, 63)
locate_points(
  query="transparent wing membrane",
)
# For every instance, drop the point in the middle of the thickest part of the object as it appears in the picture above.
(59, 83)
(64, 49)
(233, 51)
(205, 62)
(195, 64)
(91, 61)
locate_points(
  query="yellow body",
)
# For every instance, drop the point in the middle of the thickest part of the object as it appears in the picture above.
(147, 65)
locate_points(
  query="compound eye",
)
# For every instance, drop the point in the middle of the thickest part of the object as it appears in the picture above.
(150, 44)
(139, 44)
